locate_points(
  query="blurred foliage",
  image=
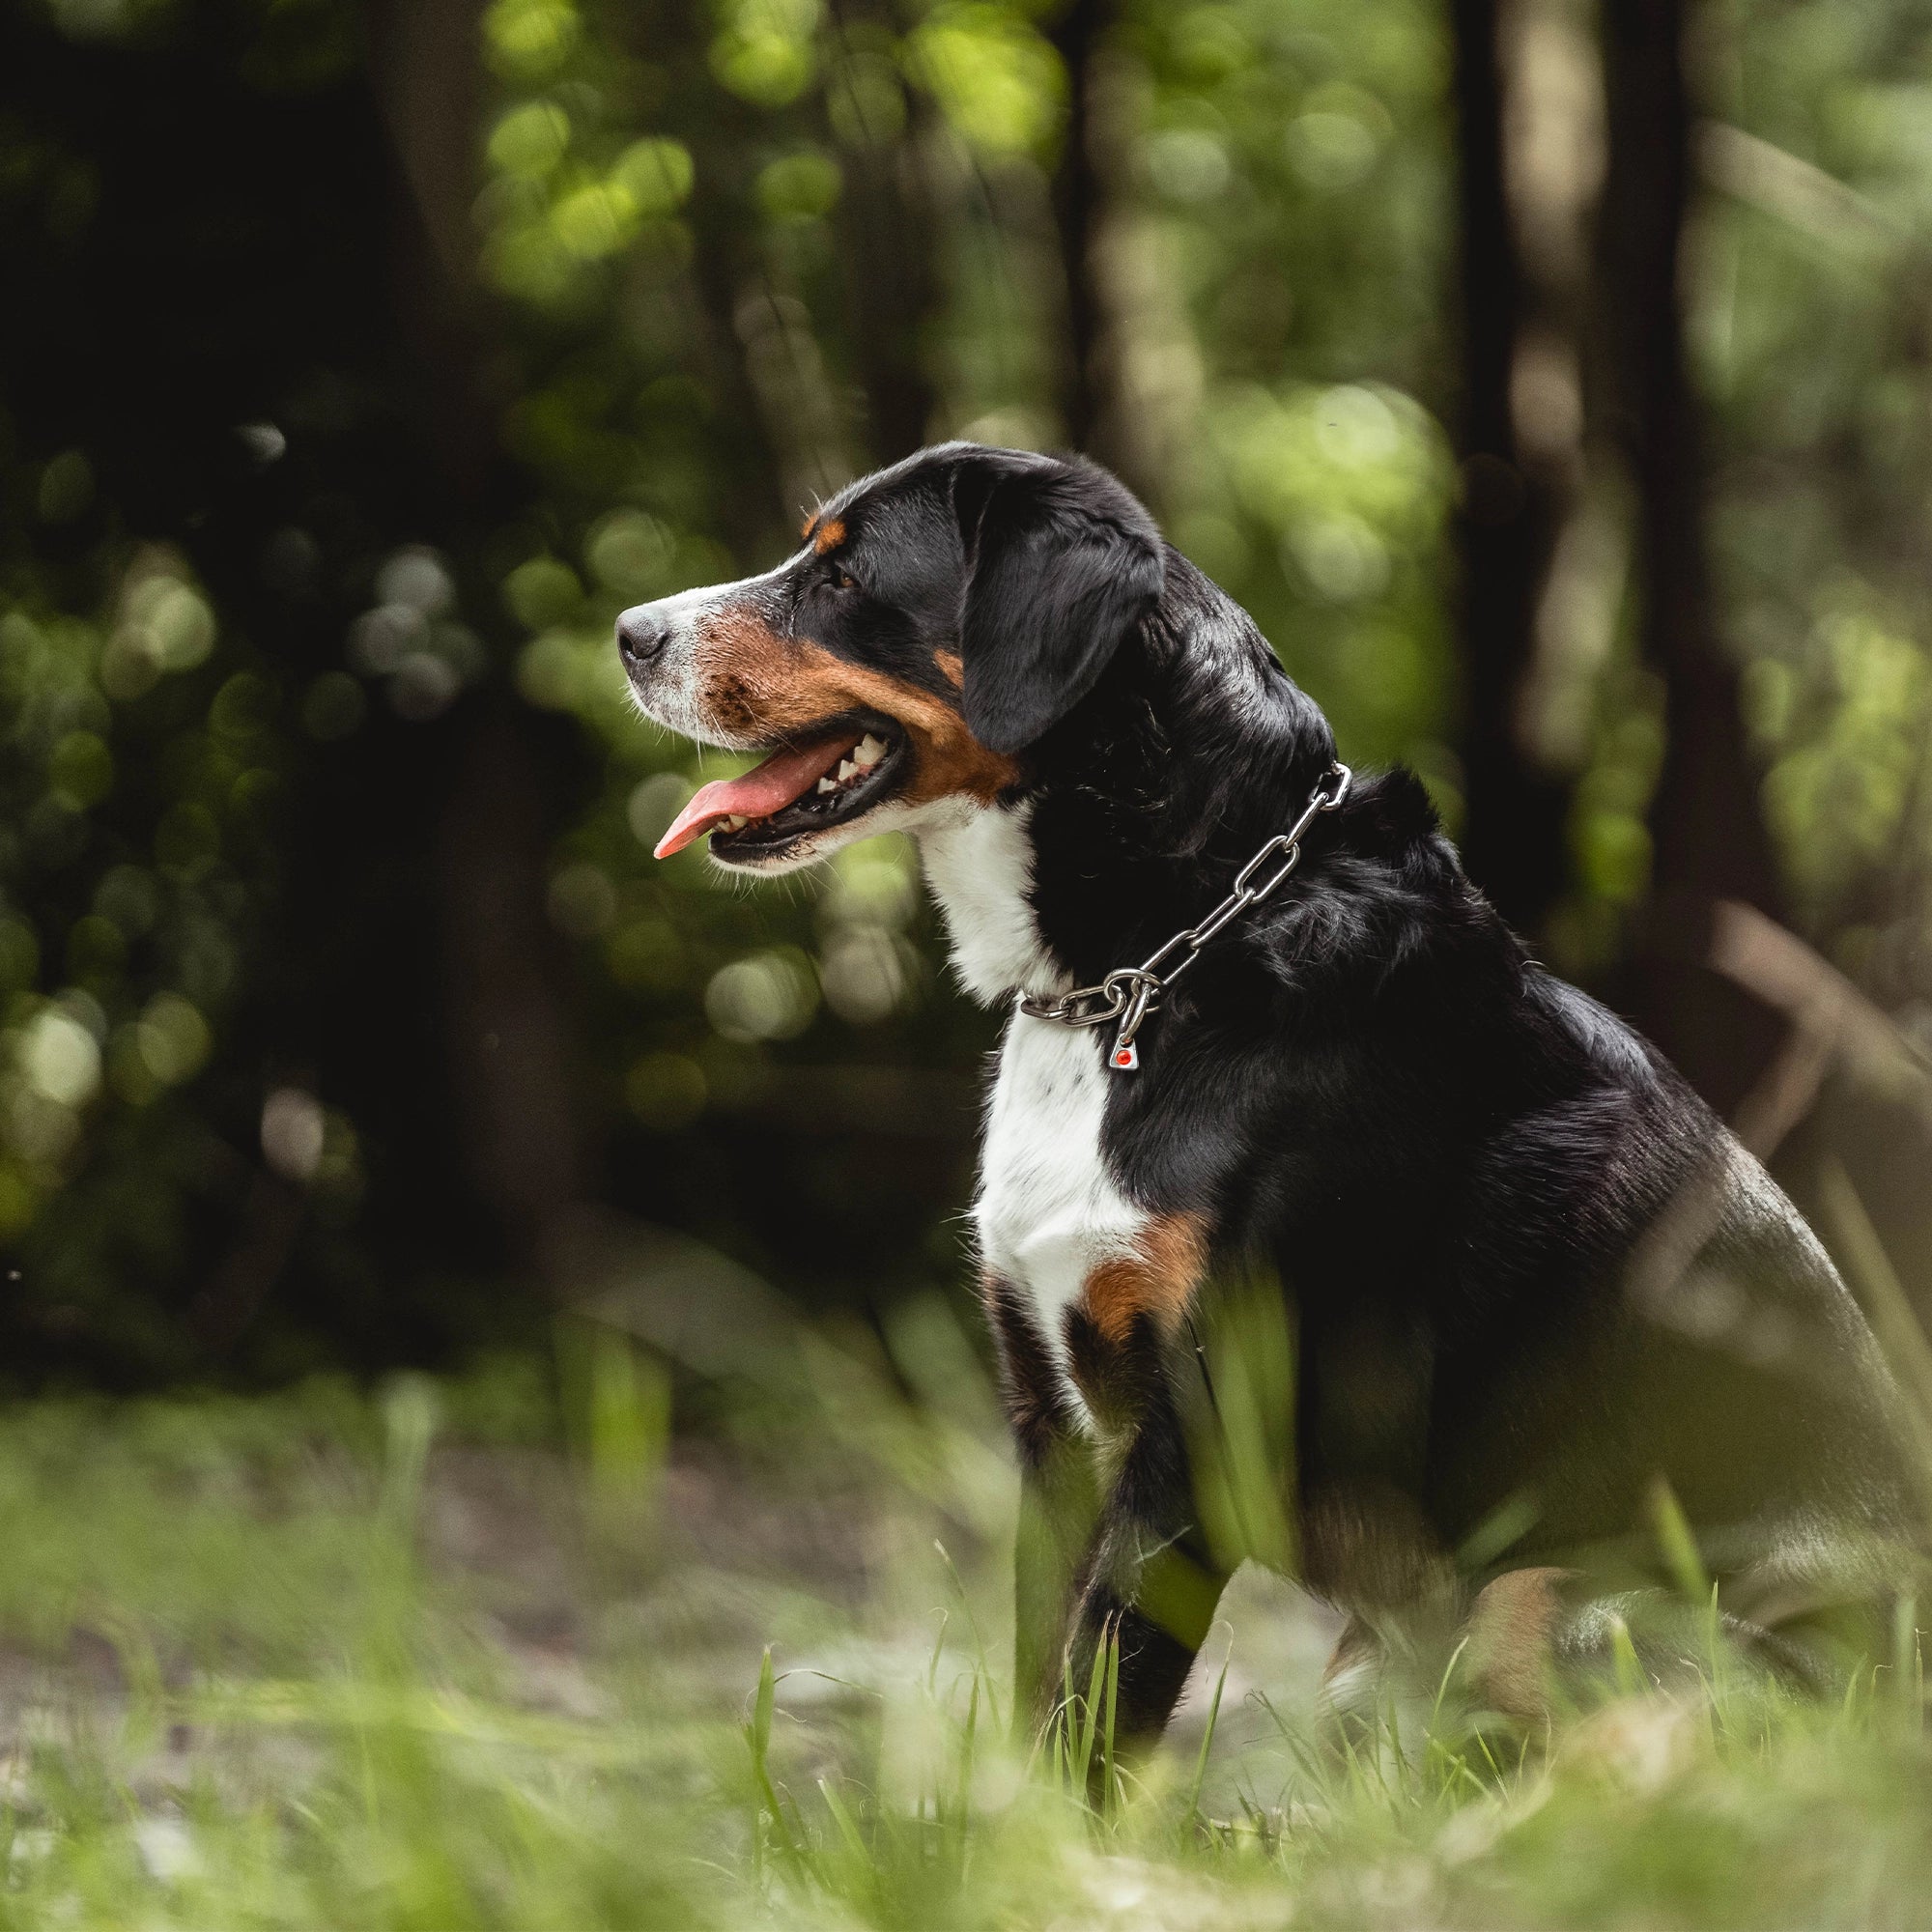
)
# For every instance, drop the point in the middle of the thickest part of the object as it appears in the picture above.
(261, 596)
(1814, 269)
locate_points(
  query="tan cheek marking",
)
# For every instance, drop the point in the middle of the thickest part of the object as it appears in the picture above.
(829, 533)
(947, 760)
(949, 663)
(1158, 1279)
(759, 685)
(743, 670)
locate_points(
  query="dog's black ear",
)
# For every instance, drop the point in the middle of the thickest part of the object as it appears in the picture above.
(1061, 562)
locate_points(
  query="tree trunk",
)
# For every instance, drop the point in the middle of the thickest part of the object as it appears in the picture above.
(887, 220)
(500, 988)
(1709, 839)
(1515, 835)
(1076, 207)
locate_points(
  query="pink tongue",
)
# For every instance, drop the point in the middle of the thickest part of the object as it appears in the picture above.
(782, 778)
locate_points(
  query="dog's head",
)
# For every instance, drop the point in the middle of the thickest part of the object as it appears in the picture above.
(940, 617)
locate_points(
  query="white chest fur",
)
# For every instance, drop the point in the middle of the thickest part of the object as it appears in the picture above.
(978, 860)
(1048, 1212)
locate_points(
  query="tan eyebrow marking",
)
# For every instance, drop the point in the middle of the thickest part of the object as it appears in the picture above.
(829, 533)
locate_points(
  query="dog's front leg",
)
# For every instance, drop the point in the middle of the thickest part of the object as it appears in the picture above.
(1149, 1586)
(1119, 1560)
(1059, 1503)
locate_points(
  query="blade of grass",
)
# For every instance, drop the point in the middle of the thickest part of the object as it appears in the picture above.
(938, 1647)
(1108, 1793)
(858, 1853)
(1442, 1689)
(1192, 1814)
(1625, 1661)
(1089, 1721)
(973, 1626)
(1676, 1543)
(758, 1740)
(962, 1803)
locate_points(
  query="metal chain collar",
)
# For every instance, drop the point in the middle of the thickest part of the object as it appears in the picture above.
(1130, 993)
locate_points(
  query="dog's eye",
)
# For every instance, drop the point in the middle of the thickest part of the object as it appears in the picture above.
(843, 580)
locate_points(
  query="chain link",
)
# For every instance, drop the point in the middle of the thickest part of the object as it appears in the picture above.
(1130, 993)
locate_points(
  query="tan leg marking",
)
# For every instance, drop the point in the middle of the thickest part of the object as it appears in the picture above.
(1157, 1278)
(1512, 1628)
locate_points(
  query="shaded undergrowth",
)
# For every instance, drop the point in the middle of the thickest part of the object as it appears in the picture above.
(490, 1654)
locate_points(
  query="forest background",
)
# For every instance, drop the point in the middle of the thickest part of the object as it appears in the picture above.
(1553, 383)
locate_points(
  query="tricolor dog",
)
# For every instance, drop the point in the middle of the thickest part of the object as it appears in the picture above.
(1261, 1023)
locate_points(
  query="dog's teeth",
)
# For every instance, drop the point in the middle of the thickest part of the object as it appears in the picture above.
(737, 822)
(846, 770)
(867, 753)
(827, 785)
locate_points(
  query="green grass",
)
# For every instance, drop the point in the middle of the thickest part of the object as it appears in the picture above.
(490, 1655)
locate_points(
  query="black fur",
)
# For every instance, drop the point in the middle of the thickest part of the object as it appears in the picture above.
(1531, 1274)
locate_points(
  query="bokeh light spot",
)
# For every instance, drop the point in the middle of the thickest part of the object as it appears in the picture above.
(629, 552)
(654, 803)
(173, 1038)
(799, 188)
(60, 1058)
(293, 1133)
(767, 996)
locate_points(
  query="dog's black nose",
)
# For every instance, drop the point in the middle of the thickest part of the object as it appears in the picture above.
(641, 634)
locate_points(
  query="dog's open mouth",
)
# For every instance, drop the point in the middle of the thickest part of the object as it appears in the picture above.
(799, 789)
